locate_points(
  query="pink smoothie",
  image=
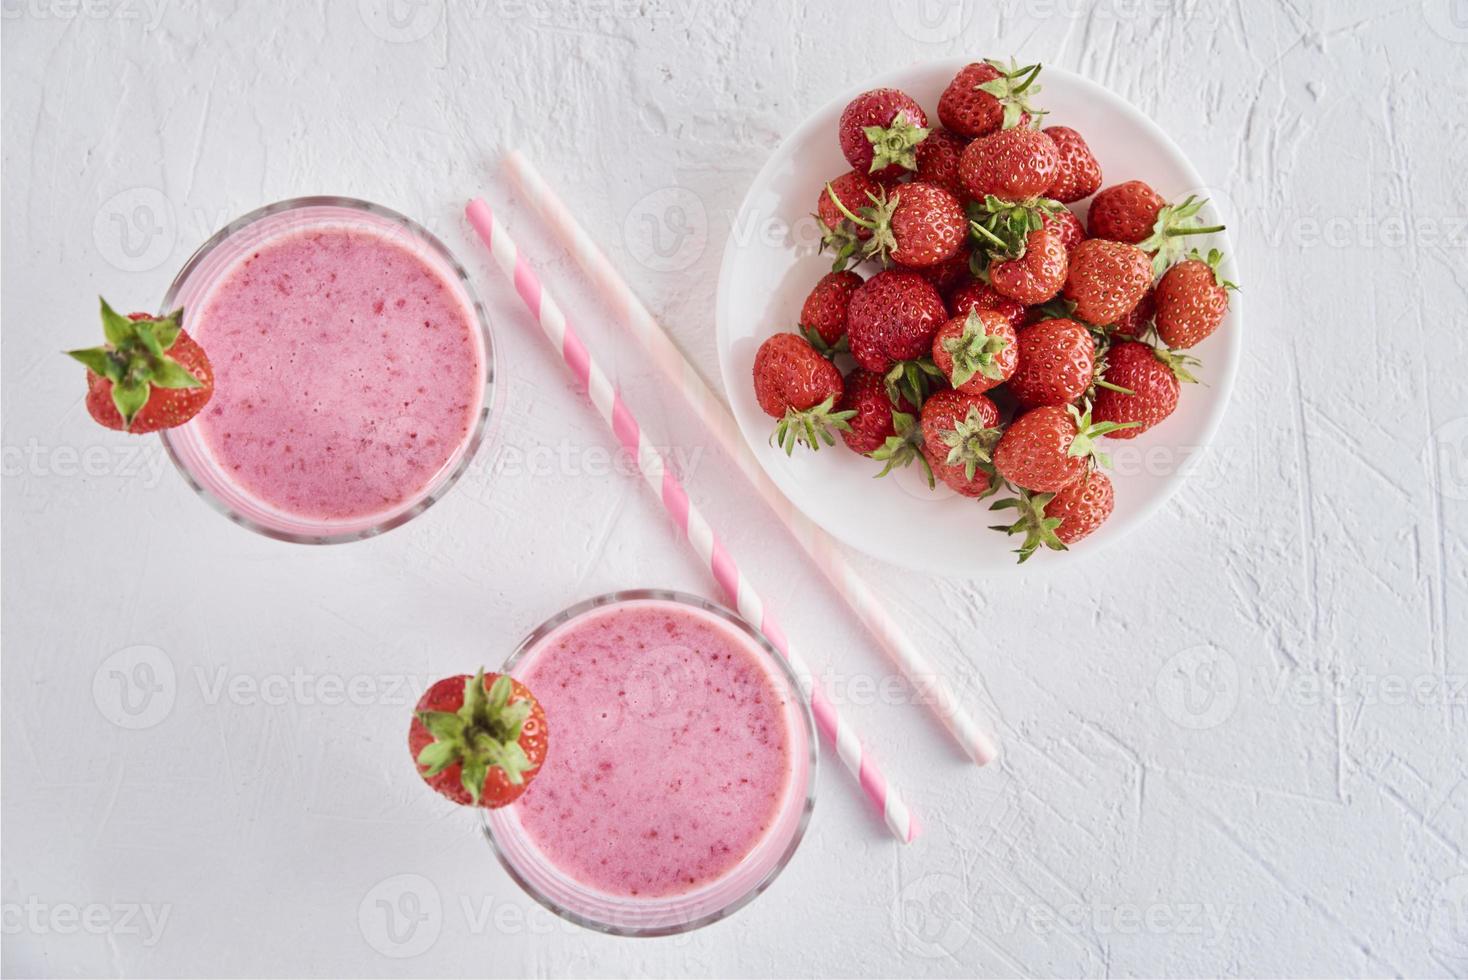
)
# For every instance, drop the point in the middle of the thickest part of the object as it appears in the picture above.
(670, 748)
(348, 372)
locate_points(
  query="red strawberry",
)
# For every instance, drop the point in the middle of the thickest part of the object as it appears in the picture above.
(949, 274)
(890, 324)
(1064, 225)
(1192, 300)
(1107, 279)
(984, 96)
(823, 315)
(976, 295)
(1079, 174)
(150, 374)
(1060, 518)
(1124, 213)
(1037, 275)
(850, 192)
(872, 422)
(1135, 324)
(937, 160)
(1050, 447)
(1150, 378)
(1083, 506)
(798, 386)
(478, 740)
(916, 225)
(1012, 164)
(976, 351)
(960, 431)
(879, 131)
(1057, 360)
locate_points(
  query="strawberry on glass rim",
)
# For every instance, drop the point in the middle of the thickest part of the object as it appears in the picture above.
(150, 374)
(478, 740)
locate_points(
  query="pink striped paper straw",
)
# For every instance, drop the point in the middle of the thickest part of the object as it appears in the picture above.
(698, 532)
(868, 607)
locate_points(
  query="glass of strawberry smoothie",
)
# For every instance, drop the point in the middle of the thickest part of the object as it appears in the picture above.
(681, 767)
(353, 370)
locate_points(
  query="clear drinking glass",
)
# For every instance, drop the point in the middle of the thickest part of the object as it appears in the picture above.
(216, 257)
(706, 903)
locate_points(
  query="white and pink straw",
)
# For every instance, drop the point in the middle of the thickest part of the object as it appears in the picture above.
(698, 532)
(865, 604)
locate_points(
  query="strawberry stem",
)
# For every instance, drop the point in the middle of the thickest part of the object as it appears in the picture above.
(971, 444)
(975, 351)
(1175, 221)
(1011, 89)
(895, 143)
(1032, 523)
(840, 206)
(810, 427)
(1083, 446)
(903, 448)
(911, 380)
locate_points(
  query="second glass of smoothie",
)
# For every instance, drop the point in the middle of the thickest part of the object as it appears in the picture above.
(353, 370)
(681, 767)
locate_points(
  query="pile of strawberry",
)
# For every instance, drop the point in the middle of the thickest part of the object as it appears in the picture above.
(996, 338)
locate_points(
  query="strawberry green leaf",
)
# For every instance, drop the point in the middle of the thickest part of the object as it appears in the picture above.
(811, 427)
(971, 444)
(97, 361)
(883, 241)
(475, 700)
(436, 757)
(1175, 222)
(828, 351)
(1212, 260)
(472, 775)
(168, 373)
(1038, 529)
(511, 758)
(1012, 89)
(442, 724)
(117, 328)
(895, 143)
(1083, 446)
(167, 329)
(975, 351)
(1179, 364)
(902, 449)
(130, 395)
(148, 338)
(911, 380)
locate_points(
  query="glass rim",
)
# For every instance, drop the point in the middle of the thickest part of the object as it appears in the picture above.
(441, 483)
(812, 750)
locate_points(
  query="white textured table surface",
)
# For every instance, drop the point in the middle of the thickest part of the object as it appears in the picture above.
(1237, 743)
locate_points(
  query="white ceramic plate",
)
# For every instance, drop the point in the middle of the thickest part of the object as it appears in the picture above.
(771, 262)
